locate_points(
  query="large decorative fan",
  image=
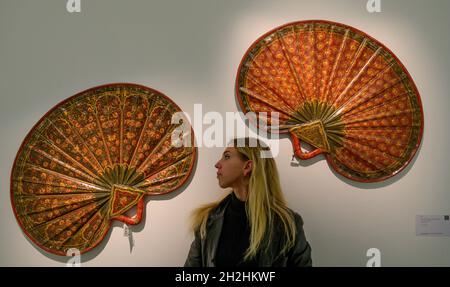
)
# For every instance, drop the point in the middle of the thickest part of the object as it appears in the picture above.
(340, 91)
(91, 159)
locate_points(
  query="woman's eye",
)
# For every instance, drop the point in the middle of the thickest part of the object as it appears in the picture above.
(227, 156)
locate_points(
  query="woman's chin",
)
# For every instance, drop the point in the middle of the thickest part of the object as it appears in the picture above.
(223, 185)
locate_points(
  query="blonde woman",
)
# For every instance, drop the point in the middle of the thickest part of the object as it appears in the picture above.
(251, 226)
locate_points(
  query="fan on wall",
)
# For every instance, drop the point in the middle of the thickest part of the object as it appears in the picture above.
(91, 159)
(337, 89)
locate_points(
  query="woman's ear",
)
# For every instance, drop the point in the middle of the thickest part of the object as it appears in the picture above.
(248, 167)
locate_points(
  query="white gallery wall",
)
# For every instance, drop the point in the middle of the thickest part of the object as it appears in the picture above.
(190, 51)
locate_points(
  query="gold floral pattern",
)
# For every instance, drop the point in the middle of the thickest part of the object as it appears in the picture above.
(90, 159)
(322, 71)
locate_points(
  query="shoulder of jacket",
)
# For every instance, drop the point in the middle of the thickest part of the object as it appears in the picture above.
(297, 218)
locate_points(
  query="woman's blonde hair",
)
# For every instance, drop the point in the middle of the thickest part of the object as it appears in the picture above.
(265, 202)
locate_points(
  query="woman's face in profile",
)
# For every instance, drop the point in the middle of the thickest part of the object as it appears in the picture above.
(230, 168)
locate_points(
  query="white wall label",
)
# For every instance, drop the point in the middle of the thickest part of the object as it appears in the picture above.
(433, 225)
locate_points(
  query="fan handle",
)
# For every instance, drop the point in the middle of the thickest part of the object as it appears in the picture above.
(298, 150)
(135, 219)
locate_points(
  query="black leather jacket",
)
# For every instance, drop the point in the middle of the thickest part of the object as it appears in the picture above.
(203, 250)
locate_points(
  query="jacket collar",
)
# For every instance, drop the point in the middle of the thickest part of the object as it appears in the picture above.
(219, 211)
(214, 226)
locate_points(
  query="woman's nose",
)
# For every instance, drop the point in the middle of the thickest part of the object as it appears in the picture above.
(216, 165)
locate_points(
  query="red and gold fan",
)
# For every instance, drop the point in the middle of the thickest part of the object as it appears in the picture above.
(339, 90)
(91, 159)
